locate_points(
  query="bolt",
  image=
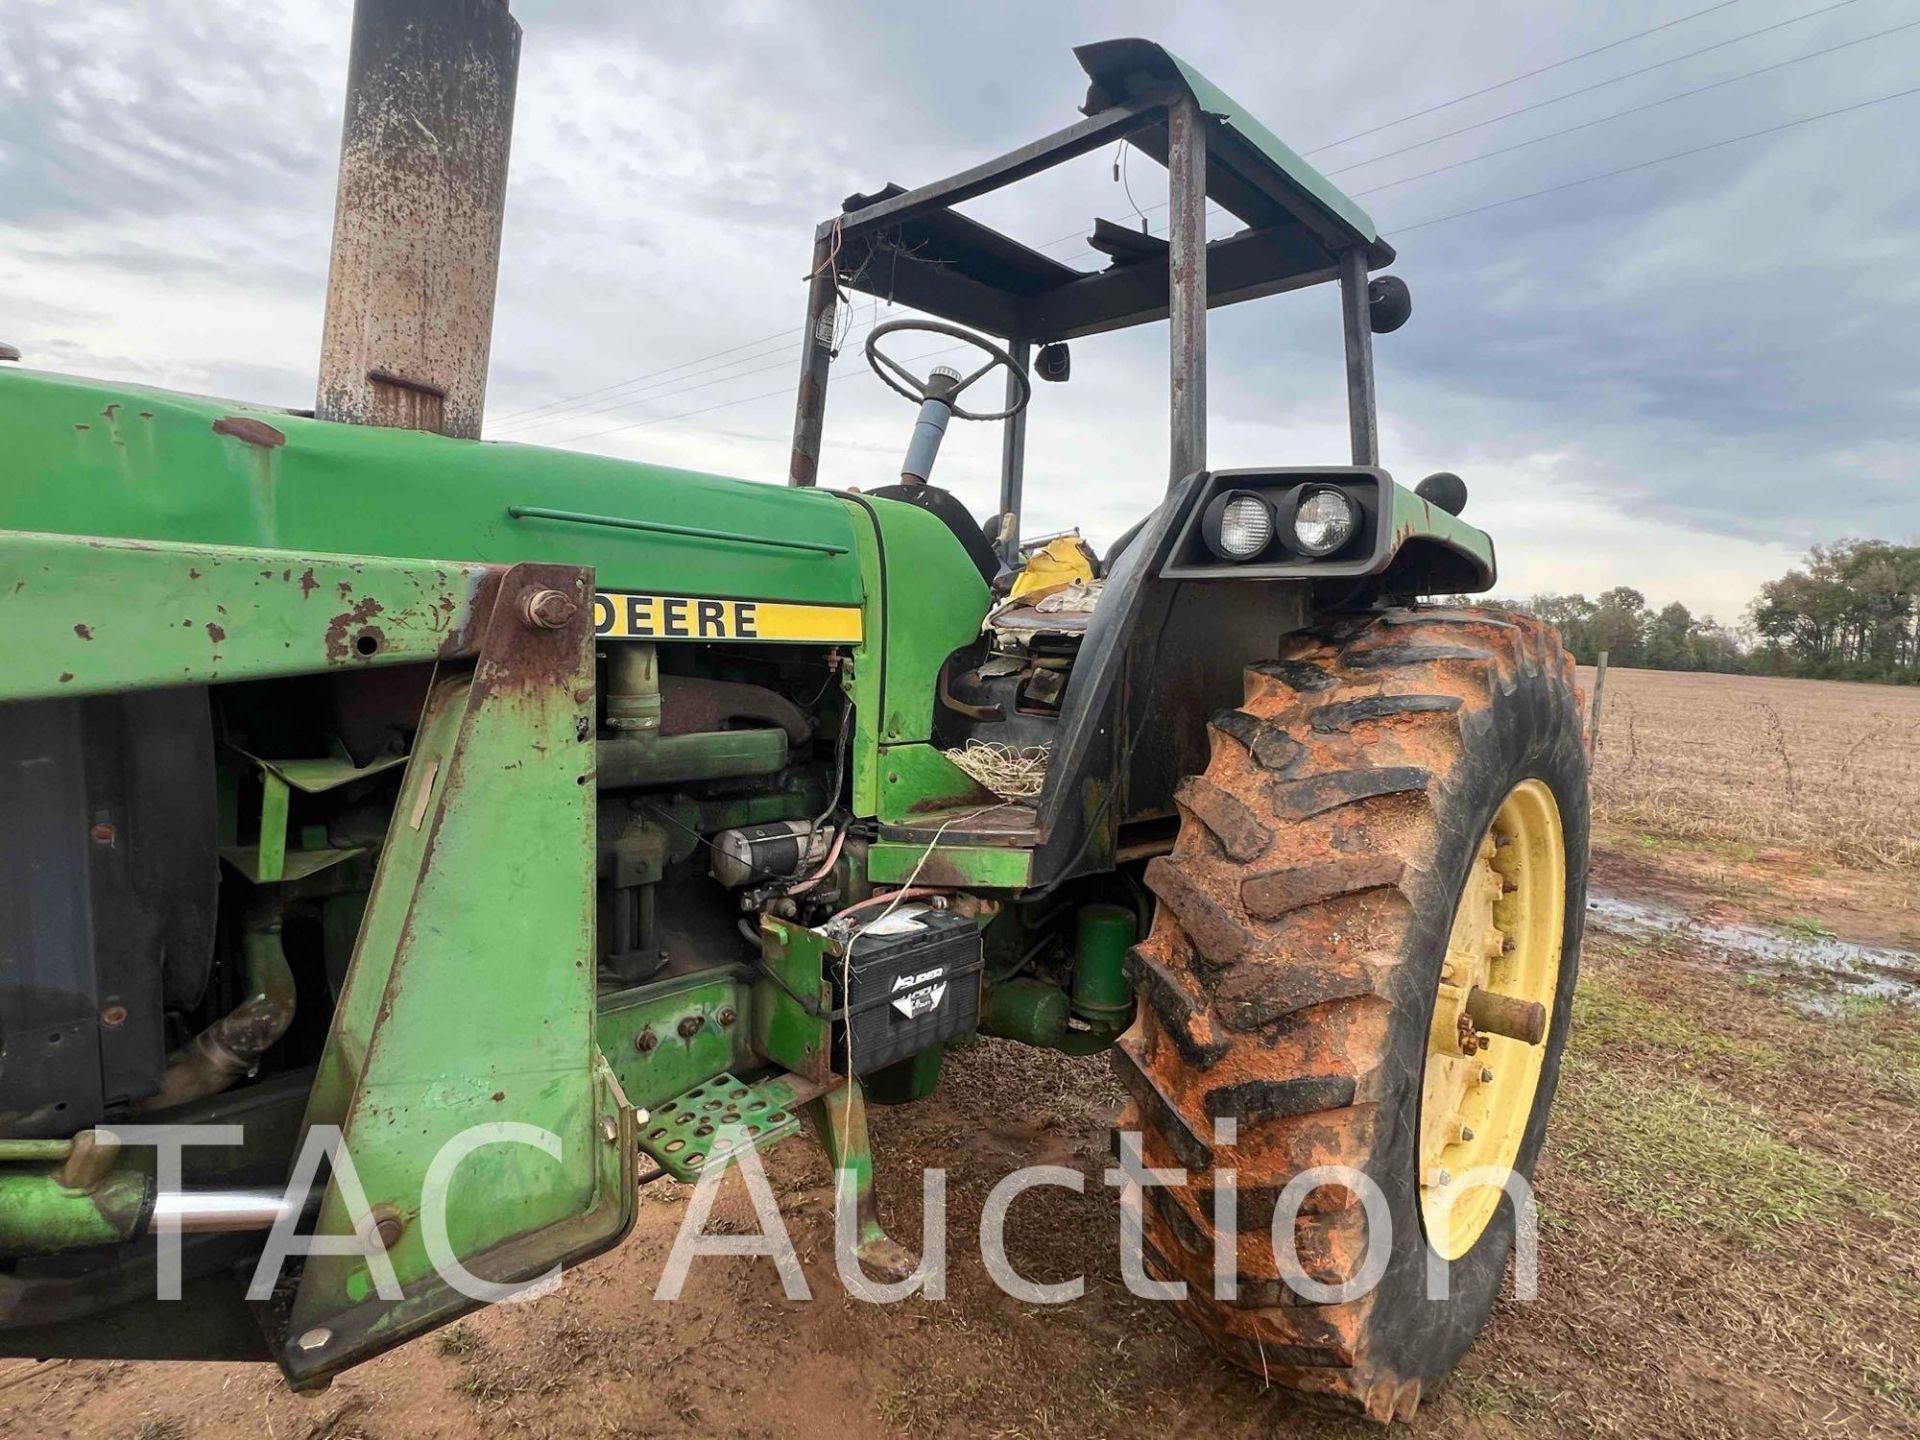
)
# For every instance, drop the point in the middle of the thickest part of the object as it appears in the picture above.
(387, 1226)
(1438, 1178)
(316, 1339)
(1506, 946)
(609, 1130)
(645, 1040)
(102, 833)
(1486, 1076)
(114, 1016)
(727, 1016)
(690, 1026)
(1466, 1133)
(547, 609)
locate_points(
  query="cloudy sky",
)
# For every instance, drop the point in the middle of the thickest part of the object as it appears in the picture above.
(1676, 378)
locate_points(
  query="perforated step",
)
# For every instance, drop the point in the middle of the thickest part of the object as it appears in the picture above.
(717, 1120)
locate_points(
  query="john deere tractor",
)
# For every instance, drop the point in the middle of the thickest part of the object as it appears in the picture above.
(360, 774)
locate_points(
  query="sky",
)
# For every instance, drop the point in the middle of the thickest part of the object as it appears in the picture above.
(1676, 378)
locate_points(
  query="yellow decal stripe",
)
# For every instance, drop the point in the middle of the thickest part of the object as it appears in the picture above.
(623, 616)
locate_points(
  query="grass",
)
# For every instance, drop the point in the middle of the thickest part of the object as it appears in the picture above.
(1747, 762)
(1669, 1147)
(1806, 926)
(459, 1342)
(1609, 1014)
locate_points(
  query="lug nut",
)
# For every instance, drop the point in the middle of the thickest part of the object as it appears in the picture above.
(1486, 1075)
(316, 1339)
(1438, 1178)
(548, 609)
(609, 1130)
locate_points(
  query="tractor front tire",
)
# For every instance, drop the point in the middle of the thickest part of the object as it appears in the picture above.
(1394, 821)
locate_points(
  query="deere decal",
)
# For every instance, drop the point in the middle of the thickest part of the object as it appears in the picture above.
(621, 616)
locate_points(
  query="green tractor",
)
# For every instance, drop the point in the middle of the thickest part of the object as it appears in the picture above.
(362, 779)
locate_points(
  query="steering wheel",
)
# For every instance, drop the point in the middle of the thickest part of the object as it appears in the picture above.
(937, 386)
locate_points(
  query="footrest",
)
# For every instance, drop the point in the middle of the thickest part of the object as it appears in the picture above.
(716, 1120)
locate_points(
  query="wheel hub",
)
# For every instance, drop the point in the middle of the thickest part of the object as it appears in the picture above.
(1486, 1045)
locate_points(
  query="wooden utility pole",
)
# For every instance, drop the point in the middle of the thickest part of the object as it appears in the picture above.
(1599, 685)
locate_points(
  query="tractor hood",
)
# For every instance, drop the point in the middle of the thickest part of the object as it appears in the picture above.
(90, 458)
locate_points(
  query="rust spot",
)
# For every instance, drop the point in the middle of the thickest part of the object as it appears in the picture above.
(83, 427)
(85, 632)
(146, 414)
(308, 584)
(345, 587)
(499, 1095)
(65, 676)
(246, 428)
(193, 574)
(215, 633)
(348, 632)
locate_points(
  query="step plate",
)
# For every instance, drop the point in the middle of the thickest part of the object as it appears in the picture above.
(716, 1120)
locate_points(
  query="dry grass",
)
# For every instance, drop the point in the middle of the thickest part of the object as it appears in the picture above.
(1813, 764)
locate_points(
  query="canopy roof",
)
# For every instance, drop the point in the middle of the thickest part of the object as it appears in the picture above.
(911, 246)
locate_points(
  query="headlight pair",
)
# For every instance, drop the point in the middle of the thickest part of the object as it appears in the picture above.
(1311, 520)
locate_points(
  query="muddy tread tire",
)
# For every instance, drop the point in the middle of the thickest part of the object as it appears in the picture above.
(1287, 983)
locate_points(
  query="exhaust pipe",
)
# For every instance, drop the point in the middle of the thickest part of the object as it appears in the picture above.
(416, 227)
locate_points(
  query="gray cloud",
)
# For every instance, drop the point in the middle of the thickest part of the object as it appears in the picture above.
(1719, 346)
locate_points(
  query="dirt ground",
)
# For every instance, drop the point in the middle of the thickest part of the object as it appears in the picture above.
(1749, 763)
(1730, 1247)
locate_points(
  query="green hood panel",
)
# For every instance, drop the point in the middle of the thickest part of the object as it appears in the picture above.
(87, 458)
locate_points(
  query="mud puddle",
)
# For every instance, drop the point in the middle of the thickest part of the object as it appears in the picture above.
(1827, 972)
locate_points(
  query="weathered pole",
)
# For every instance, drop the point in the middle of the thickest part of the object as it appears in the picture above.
(416, 227)
(1187, 284)
(1599, 686)
(1363, 419)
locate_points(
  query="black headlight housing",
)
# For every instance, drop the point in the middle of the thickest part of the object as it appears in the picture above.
(1295, 545)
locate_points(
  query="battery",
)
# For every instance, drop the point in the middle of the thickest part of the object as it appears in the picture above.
(912, 981)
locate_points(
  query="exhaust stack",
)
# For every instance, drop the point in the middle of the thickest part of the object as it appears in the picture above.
(416, 227)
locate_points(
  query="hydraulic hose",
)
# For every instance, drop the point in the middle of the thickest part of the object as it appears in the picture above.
(232, 1046)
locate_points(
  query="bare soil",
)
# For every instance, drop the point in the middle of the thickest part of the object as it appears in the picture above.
(1730, 1247)
(1750, 763)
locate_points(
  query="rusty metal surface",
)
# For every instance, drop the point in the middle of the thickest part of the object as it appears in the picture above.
(816, 355)
(90, 615)
(247, 428)
(692, 704)
(416, 236)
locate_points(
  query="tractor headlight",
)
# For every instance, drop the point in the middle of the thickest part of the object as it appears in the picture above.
(1323, 520)
(1238, 525)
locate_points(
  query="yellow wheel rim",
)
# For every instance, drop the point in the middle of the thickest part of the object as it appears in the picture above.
(1483, 1068)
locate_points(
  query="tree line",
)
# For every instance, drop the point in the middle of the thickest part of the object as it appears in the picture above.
(1850, 611)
